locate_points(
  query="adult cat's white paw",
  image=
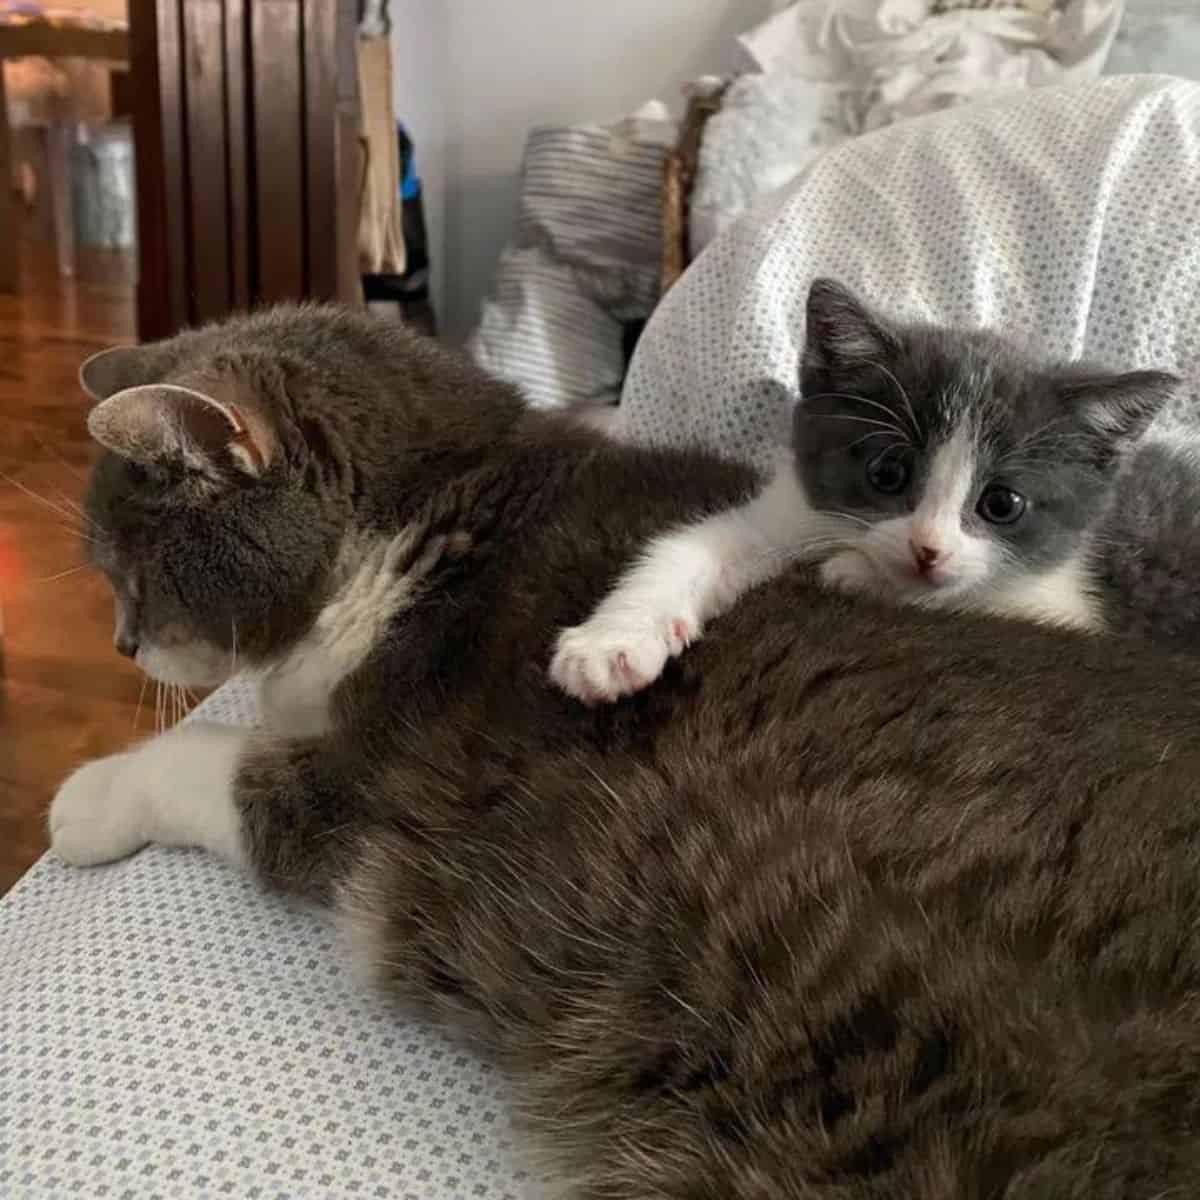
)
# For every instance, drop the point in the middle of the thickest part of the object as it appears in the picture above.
(96, 816)
(176, 789)
(606, 658)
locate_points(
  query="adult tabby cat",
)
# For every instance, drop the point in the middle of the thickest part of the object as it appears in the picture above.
(855, 903)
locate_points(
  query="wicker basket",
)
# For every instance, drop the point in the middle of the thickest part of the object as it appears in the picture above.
(679, 176)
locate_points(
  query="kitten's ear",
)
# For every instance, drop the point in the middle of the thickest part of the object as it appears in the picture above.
(1119, 408)
(841, 331)
(113, 371)
(163, 422)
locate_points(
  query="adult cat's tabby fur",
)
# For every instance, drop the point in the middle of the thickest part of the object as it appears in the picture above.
(854, 903)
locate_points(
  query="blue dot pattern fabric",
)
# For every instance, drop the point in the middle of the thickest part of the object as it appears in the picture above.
(1065, 217)
(168, 1029)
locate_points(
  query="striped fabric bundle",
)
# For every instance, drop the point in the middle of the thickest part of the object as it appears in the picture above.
(584, 263)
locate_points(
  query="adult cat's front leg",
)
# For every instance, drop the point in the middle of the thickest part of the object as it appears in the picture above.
(293, 810)
(177, 789)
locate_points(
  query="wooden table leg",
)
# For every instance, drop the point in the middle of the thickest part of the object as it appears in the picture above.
(59, 140)
(8, 210)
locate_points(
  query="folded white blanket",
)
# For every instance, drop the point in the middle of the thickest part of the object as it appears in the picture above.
(1068, 217)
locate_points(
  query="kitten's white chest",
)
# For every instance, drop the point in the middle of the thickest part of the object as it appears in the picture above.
(378, 578)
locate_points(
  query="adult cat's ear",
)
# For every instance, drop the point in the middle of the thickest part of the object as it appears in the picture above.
(163, 422)
(113, 371)
(1119, 408)
(841, 331)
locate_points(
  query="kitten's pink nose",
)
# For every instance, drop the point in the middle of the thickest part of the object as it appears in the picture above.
(926, 557)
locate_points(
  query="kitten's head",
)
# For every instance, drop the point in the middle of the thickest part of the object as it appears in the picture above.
(958, 463)
(237, 458)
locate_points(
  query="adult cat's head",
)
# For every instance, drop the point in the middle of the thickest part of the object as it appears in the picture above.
(238, 459)
(961, 464)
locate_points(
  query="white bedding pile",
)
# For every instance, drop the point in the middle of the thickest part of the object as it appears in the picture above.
(823, 71)
(1068, 217)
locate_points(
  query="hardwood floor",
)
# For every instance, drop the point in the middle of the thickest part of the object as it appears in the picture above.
(65, 695)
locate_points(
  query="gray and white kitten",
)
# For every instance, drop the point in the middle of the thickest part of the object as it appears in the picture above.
(936, 467)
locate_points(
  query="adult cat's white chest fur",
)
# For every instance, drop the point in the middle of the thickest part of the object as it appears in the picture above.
(377, 579)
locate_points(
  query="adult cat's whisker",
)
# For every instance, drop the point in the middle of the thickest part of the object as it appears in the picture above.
(137, 712)
(79, 533)
(51, 450)
(74, 507)
(65, 513)
(63, 574)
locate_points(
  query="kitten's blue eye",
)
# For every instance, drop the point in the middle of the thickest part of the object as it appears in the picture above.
(1001, 505)
(889, 472)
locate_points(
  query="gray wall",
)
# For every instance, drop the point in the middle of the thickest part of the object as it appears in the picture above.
(472, 77)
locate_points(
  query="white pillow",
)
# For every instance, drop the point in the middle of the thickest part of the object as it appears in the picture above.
(1067, 217)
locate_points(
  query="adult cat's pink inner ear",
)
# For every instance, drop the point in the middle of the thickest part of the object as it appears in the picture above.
(160, 422)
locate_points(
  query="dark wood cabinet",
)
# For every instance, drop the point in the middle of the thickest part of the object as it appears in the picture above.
(246, 137)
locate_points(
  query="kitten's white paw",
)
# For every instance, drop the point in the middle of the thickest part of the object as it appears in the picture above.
(96, 816)
(604, 659)
(849, 571)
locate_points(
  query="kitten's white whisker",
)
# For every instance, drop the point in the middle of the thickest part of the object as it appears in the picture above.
(866, 437)
(805, 551)
(912, 416)
(894, 429)
(883, 408)
(842, 516)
